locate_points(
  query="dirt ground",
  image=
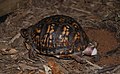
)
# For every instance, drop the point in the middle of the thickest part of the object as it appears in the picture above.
(99, 18)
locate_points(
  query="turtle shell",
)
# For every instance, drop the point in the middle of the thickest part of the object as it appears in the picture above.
(56, 35)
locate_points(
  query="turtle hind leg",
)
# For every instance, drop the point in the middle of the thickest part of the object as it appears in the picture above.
(32, 51)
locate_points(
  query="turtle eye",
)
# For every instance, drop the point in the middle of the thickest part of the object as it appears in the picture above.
(24, 33)
(93, 44)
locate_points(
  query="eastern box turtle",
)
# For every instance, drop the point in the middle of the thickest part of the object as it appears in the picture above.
(59, 36)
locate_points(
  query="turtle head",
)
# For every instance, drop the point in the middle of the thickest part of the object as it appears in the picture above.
(91, 49)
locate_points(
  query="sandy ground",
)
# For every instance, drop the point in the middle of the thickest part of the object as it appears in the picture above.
(100, 19)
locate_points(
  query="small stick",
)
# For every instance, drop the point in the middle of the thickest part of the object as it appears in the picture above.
(107, 69)
(96, 66)
(14, 38)
(111, 52)
(80, 10)
(117, 68)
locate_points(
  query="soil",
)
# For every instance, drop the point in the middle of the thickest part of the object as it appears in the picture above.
(106, 42)
(99, 18)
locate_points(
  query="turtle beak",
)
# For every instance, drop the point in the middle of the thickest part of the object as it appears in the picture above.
(91, 49)
(94, 52)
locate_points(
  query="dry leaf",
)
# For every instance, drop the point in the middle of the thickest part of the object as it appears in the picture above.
(54, 66)
(47, 69)
(9, 50)
(26, 67)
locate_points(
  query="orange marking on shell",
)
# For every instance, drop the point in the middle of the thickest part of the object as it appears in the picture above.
(50, 36)
(38, 30)
(58, 44)
(43, 44)
(74, 24)
(65, 41)
(67, 33)
(63, 32)
(53, 24)
(62, 40)
(61, 52)
(52, 27)
(77, 36)
(48, 20)
(67, 26)
(51, 45)
(50, 41)
(48, 29)
(37, 37)
(64, 29)
(51, 31)
(78, 48)
(66, 38)
(51, 52)
(61, 20)
(45, 38)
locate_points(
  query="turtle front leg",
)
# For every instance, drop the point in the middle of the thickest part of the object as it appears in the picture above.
(79, 57)
(32, 51)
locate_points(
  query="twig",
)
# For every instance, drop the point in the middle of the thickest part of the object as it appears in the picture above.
(48, 70)
(14, 38)
(80, 10)
(3, 41)
(96, 66)
(107, 69)
(111, 52)
(117, 68)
